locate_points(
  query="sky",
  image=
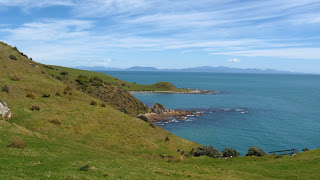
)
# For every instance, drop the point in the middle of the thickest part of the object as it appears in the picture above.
(269, 34)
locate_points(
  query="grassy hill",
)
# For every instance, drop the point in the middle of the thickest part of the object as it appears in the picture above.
(66, 125)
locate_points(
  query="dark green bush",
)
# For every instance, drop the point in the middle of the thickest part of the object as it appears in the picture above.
(64, 73)
(93, 103)
(229, 152)
(255, 151)
(144, 118)
(48, 67)
(85, 168)
(82, 80)
(46, 95)
(5, 88)
(305, 149)
(13, 57)
(207, 151)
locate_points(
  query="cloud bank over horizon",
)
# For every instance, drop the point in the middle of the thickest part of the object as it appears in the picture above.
(274, 34)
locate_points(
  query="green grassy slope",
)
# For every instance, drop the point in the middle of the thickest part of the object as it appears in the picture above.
(114, 144)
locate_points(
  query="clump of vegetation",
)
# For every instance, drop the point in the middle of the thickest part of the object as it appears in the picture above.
(64, 73)
(255, 151)
(144, 118)
(124, 110)
(43, 72)
(56, 122)
(82, 80)
(85, 168)
(17, 143)
(46, 95)
(229, 152)
(207, 151)
(5, 88)
(58, 93)
(93, 103)
(48, 67)
(35, 108)
(278, 156)
(305, 149)
(167, 139)
(13, 57)
(31, 95)
(67, 89)
(15, 78)
(103, 105)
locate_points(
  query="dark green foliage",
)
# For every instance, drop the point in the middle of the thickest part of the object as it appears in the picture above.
(103, 105)
(5, 88)
(48, 67)
(82, 80)
(207, 151)
(305, 149)
(124, 110)
(167, 139)
(144, 118)
(15, 48)
(229, 152)
(64, 73)
(59, 78)
(85, 168)
(255, 151)
(13, 57)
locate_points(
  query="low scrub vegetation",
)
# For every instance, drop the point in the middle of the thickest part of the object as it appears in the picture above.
(255, 151)
(17, 143)
(31, 95)
(46, 95)
(207, 151)
(15, 78)
(13, 57)
(229, 152)
(56, 122)
(93, 103)
(35, 108)
(5, 88)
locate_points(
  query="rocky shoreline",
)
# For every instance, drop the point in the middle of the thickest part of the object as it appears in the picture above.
(195, 91)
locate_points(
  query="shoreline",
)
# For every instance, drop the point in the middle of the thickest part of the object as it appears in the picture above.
(196, 91)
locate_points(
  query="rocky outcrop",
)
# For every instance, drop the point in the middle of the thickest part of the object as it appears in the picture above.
(5, 112)
(158, 108)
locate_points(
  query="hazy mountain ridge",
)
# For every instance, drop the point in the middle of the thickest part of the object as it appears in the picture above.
(218, 69)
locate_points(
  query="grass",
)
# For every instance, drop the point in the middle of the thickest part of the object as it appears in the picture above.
(113, 144)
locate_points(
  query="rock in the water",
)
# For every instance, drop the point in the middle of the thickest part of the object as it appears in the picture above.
(5, 112)
(158, 108)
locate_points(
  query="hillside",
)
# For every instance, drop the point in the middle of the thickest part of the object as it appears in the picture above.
(60, 130)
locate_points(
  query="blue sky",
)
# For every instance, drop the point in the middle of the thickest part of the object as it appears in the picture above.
(276, 34)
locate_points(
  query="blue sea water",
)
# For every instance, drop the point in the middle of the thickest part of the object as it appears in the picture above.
(281, 111)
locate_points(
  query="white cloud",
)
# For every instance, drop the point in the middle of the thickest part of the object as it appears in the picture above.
(234, 60)
(27, 4)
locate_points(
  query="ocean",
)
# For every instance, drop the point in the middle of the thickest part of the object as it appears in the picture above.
(271, 111)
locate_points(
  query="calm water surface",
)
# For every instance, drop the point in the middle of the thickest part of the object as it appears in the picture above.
(281, 111)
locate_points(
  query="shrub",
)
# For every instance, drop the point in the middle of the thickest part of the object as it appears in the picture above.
(35, 108)
(167, 139)
(93, 103)
(305, 149)
(13, 57)
(46, 95)
(67, 89)
(43, 72)
(144, 118)
(31, 95)
(15, 48)
(255, 151)
(5, 88)
(64, 73)
(207, 151)
(82, 80)
(229, 152)
(48, 67)
(58, 93)
(17, 143)
(56, 122)
(15, 78)
(152, 125)
(103, 105)
(85, 168)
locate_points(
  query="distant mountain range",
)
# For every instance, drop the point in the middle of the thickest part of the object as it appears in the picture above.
(219, 69)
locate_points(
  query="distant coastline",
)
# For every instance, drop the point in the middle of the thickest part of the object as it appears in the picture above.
(195, 91)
